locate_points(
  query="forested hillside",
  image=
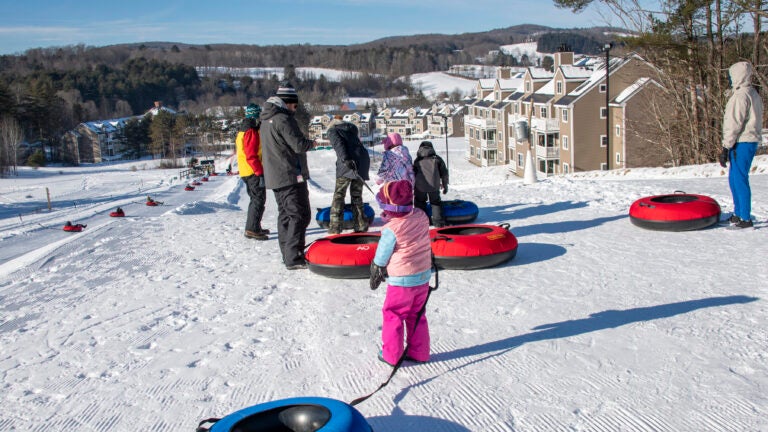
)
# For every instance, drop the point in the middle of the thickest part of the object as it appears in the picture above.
(45, 92)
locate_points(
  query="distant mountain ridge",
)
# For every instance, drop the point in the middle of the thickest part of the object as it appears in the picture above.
(397, 55)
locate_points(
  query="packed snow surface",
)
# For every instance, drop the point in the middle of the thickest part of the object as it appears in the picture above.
(155, 321)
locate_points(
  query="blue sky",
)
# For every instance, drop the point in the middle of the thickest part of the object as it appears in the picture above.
(28, 24)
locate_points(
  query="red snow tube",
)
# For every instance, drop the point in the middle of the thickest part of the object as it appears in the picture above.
(196, 183)
(189, 188)
(676, 212)
(73, 228)
(343, 256)
(117, 214)
(204, 179)
(472, 246)
(152, 203)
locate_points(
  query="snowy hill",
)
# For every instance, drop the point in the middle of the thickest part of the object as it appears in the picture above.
(168, 316)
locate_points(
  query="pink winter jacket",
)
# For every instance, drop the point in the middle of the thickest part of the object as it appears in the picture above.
(412, 252)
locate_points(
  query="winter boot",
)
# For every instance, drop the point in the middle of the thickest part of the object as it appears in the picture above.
(256, 235)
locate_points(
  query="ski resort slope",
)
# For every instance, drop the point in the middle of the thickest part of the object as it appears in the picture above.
(168, 316)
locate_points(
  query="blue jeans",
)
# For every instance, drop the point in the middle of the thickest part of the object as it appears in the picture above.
(741, 155)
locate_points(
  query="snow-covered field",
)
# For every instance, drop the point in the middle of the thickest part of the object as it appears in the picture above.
(169, 315)
(434, 83)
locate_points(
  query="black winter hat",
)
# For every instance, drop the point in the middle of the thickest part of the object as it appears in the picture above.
(287, 93)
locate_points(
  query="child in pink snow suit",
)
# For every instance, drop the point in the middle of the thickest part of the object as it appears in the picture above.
(404, 249)
(396, 163)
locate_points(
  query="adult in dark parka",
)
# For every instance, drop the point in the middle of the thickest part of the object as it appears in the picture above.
(284, 156)
(431, 176)
(352, 165)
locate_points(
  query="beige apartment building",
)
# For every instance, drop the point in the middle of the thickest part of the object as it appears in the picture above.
(561, 117)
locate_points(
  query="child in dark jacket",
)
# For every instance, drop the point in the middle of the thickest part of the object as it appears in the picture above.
(405, 250)
(431, 176)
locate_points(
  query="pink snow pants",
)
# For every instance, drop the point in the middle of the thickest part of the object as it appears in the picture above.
(402, 304)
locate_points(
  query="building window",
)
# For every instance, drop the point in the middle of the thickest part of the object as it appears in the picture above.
(516, 108)
(618, 158)
(566, 168)
(603, 166)
(618, 130)
(520, 160)
(559, 87)
(564, 142)
(564, 115)
(603, 113)
(527, 86)
(543, 112)
(603, 141)
(602, 88)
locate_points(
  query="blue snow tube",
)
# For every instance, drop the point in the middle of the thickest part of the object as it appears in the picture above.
(323, 216)
(457, 212)
(301, 414)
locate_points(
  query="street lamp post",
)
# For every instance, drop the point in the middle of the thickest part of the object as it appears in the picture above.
(445, 126)
(607, 48)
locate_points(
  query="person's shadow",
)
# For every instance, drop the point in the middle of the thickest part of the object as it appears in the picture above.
(595, 322)
(399, 420)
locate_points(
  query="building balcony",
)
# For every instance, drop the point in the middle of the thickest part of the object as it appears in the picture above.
(485, 144)
(547, 152)
(481, 122)
(545, 125)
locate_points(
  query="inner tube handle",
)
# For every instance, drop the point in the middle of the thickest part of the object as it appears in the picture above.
(442, 237)
(679, 192)
(642, 204)
(504, 225)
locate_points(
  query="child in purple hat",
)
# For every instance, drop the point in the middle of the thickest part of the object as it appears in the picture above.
(404, 258)
(396, 164)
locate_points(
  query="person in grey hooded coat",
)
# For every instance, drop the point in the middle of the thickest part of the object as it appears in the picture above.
(742, 131)
(352, 165)
(284, 156)
(431, 176)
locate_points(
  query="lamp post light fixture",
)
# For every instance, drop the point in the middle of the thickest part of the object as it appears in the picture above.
(607, 48)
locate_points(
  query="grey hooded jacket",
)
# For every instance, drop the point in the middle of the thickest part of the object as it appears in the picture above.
(283, 146)
(743, 118)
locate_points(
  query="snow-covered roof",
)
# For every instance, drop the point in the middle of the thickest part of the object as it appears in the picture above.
(575, 72)
(633, 89)
(510, 84)
(597, 76)
(156, 110)
(540, 73)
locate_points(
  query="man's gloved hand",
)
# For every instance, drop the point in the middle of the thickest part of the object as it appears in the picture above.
(378, 275)
(724, 158)
(445, 189)
(350, 164)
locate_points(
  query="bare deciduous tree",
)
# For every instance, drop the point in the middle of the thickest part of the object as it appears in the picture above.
(11, 136)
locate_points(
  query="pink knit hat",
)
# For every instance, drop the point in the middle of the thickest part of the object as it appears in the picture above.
(392, 139)
(396, 198)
